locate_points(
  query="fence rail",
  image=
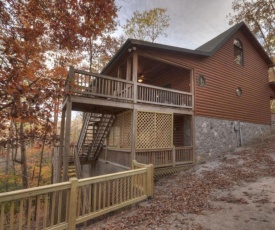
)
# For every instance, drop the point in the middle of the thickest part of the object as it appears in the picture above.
(165, 157)
(63, 205)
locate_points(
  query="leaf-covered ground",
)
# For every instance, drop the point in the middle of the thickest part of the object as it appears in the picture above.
(233, 191)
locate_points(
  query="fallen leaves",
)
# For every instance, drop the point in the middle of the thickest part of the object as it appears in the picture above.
(191, 193)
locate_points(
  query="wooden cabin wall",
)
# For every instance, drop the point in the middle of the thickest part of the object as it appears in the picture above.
(176, 78)
(218, 97)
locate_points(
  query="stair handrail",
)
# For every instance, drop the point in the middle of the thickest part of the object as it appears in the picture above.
(100, 135)
(83, 131)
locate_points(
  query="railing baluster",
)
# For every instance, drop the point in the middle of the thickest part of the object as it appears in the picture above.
(59, 207)
(37, 211)
(95, 197)
(53, 208)
(117, 194)
(11, 215)
(2, 215)
(21, 213)
(99, 196)
(104, 195)
(120, 190)
(45, 212)
(29, 213)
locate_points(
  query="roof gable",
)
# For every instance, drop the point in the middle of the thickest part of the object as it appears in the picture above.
(216, 43)
(208, 49)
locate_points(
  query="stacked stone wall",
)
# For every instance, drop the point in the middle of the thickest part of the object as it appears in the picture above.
(216, 136)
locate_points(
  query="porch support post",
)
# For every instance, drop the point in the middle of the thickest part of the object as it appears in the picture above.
(134, 129)
(128, 70)
(67, 139)
(119, 72)
(61, 145)
(192, 87)
(192, 123)
(135, 69)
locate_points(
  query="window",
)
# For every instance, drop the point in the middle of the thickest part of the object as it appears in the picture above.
(238, 52)
(201, 80)
(239, 91)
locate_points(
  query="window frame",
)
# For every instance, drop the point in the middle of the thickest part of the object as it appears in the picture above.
(238, 48)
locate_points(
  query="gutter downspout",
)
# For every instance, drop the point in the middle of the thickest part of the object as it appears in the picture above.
(240, 133)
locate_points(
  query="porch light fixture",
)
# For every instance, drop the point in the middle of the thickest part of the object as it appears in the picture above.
(140, 78)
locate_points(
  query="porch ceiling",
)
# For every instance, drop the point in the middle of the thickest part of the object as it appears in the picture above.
(152, 69)
(272, 85)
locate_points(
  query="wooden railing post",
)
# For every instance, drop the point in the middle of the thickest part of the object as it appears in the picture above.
(72, 205)
(135, 71)
(150, 181)
(69, 80)
(174, 156)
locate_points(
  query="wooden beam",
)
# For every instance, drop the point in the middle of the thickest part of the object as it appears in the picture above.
(134, 132)
(135, 73)
(67, 140)
(128, 70)
(192, 87)
(102, 102)
(61, 145)
(163, 109)
(119, 72)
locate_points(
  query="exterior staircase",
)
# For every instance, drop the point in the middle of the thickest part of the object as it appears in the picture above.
(94, 131)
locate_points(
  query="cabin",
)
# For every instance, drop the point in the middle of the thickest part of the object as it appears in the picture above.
(168, 106)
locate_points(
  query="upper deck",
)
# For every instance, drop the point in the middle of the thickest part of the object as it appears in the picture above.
(97, 92)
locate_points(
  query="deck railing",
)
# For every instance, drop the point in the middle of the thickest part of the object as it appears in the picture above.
(88, 84)
(84, 83)
(63, 205)
(166, 157)
(162, 96)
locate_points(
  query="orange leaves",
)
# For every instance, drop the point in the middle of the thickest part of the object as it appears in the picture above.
(147, 25)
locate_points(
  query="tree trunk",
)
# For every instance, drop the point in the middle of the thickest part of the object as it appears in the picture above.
(24, 166)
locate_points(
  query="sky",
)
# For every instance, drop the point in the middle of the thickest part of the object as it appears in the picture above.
(192, 22)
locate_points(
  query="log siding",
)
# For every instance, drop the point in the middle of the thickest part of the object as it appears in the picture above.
(218, 97)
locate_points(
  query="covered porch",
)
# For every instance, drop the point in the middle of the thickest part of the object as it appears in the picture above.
(135, 84)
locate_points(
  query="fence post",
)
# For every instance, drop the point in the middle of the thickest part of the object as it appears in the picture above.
(71, 206)
(150, 181)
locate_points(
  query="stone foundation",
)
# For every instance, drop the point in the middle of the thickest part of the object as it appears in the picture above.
(216, 136)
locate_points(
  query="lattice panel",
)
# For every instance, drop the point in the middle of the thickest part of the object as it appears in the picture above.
(126, 130)
(120, 133)
(145, 138)
(154, 130)
(164, 130)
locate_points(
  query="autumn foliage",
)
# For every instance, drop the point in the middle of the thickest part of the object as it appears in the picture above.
(38, 41)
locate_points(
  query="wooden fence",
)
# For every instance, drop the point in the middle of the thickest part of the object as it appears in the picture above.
(166, 157)
(64, 205)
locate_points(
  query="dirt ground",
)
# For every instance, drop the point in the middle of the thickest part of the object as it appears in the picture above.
(233, 191)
